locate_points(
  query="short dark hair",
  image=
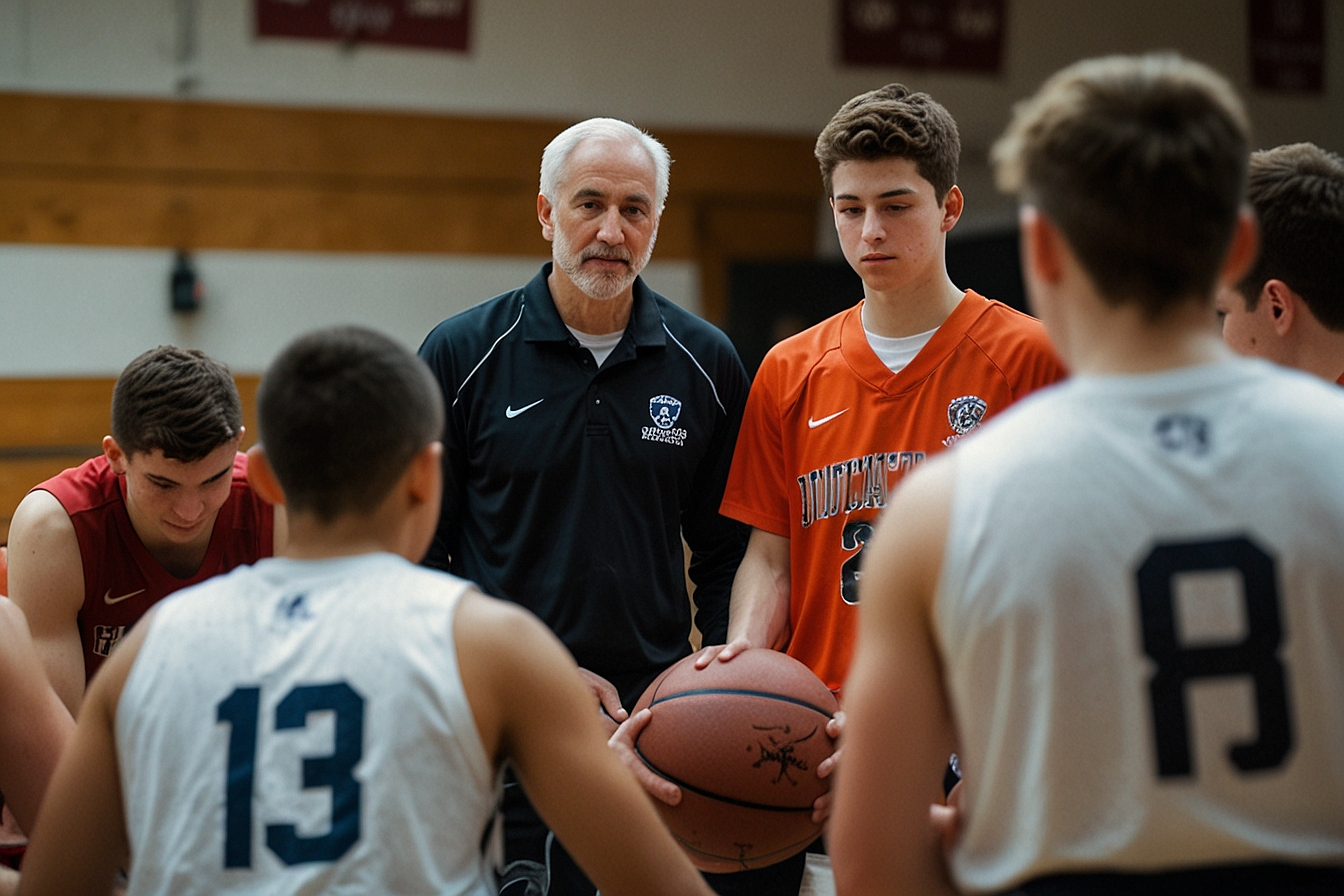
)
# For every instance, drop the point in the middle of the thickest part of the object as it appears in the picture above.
(1141, 163)
(893, 122)
(178, 401)
(1297, 192)
(342, 411)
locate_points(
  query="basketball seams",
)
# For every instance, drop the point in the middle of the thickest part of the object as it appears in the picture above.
(742, 692)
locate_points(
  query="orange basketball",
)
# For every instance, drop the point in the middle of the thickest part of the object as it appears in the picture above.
(742, 740)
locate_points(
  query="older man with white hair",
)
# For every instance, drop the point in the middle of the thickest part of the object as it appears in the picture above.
(591, 423)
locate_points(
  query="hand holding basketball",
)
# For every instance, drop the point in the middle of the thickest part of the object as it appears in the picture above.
(721, 652)
(821, 809)
(622, 743)
(608, 700)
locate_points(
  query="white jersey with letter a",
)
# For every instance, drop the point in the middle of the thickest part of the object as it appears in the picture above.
(1141, 618)
(301, 727)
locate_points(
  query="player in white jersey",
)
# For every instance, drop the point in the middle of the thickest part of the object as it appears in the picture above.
(334, 720)
(1121, 602)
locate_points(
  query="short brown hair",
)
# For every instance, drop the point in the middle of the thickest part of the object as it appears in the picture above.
(1297, 192)
(892, 122)
(1141, 163)
(178, 401)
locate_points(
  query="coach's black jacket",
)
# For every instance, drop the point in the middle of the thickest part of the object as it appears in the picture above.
(568, 488)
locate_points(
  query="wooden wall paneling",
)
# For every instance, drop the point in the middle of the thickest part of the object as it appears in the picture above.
(41, 412)
(164, 136)
(228, 214)
(98, 171)
(209, 137)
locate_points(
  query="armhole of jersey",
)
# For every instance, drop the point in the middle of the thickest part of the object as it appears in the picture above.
(139, 679)
(462, 716)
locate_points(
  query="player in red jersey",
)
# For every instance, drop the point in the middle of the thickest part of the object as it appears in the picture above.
(166, 505)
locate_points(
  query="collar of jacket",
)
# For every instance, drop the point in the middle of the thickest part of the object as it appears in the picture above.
(544, 323)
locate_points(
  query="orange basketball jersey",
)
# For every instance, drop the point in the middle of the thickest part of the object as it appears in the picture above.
(829, 431)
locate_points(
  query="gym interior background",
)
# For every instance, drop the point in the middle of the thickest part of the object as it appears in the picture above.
(314, 182)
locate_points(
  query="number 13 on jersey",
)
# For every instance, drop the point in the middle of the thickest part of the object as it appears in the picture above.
(241, 711)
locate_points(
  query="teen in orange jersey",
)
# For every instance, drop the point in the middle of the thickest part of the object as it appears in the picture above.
(841, 412)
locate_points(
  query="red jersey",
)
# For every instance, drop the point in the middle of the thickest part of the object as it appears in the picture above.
(829, 431)
(121, 580)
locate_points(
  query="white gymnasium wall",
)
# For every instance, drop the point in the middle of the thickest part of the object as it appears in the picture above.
(73, 311)
(745, 65)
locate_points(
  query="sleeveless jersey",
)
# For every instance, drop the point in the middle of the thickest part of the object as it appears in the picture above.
(121, 580)
(1141, 625)
(829, 431)
(301, 727)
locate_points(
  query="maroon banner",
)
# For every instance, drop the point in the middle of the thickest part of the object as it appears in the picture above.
(1288, 45)
(432, 24)
(955, 35)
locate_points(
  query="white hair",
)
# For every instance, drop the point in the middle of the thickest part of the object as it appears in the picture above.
(558, 150)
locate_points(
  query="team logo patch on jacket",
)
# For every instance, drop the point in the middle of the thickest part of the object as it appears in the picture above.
(963, 415)
(664, 409)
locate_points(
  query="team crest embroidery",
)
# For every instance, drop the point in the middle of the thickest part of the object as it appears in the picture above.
(963, 415)
(664, 409)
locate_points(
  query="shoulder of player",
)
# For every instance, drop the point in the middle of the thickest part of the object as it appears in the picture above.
(502, 642)
(789, 363)
(492, 623)
(1016, 343)
(40, 514)
(44, 552)
(1000, 324)
(1289, 395)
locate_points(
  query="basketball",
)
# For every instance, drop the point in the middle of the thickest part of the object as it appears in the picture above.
(742, 740)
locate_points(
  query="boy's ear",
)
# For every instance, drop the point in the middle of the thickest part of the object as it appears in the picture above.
(424, 476)
(1280, 302)
(953, 204)
(116, 458)
(262, 478)
(1042, 245)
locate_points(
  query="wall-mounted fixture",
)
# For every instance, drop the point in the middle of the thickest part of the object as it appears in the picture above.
(184, 287)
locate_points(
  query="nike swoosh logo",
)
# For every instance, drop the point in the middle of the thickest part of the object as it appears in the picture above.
(813, 424)
(110, 600)
(511, 413)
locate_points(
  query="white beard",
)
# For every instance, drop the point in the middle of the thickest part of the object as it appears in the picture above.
(600, 285)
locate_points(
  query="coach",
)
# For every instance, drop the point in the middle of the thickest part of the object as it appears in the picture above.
(590, 427)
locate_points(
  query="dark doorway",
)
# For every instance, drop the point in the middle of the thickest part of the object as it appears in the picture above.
(768, 301)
